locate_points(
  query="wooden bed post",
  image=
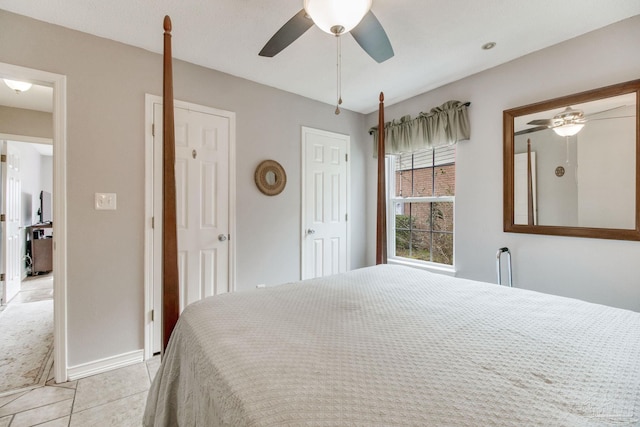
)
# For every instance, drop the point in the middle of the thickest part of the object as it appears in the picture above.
(529, 186)
(170, 296)
(381, 223)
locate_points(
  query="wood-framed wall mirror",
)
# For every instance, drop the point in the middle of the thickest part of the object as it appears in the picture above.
(572, 165)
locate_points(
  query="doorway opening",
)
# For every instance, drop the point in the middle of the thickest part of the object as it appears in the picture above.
(12, 131)
(26, 320)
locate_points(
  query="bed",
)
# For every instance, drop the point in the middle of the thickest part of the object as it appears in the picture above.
(386, 346)
(391, 345)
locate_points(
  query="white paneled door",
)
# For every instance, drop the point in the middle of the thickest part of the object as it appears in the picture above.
(325, 200)
(12, 243)
(202, 193)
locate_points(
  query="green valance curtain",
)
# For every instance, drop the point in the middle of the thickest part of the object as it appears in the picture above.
(442, 126)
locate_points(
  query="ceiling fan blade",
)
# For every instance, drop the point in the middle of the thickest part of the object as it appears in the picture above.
(287, 34)
(589, 116)
(609, 118)
(371, 37)
(531, 130)
(541, 122)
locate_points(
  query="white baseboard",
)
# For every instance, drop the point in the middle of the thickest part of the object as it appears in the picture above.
(104, 365)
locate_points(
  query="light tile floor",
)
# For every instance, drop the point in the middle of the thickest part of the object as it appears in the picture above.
(115, 398)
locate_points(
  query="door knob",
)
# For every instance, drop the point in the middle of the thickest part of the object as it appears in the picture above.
(311, 231)
(222, 237)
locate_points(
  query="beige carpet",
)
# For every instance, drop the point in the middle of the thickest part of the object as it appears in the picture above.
(26, 340)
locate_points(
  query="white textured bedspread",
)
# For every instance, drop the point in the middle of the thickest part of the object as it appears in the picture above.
(394, 346)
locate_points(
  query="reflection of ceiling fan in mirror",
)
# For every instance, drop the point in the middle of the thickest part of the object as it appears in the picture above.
(570, 121)
(566, 123)
(337, 18)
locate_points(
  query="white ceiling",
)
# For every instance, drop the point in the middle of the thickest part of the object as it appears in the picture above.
(435, 42)
(39, 98)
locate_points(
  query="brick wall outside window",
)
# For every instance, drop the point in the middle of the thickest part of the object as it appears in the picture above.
(425, 230)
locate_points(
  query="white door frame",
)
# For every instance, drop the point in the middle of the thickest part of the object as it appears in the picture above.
(303, 225)
(149, 256)
(59, 84)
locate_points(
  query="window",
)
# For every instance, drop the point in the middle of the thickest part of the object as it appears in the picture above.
(421, 205)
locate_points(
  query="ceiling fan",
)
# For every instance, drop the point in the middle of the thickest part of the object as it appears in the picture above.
(566, 123)
(335, 17)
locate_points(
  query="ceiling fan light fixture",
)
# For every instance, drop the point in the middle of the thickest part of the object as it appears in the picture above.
(329, 14)
(570, 122)
(19, 87)
(569, 129)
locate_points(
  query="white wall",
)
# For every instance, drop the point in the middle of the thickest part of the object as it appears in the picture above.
(46, 173)
(18, 121)
(607, 199)
(604, 271)
(30, 181)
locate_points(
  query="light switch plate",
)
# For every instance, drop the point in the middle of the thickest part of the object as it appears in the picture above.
(105, 201)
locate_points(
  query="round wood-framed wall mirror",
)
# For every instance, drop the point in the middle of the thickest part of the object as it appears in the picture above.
(270, 177)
